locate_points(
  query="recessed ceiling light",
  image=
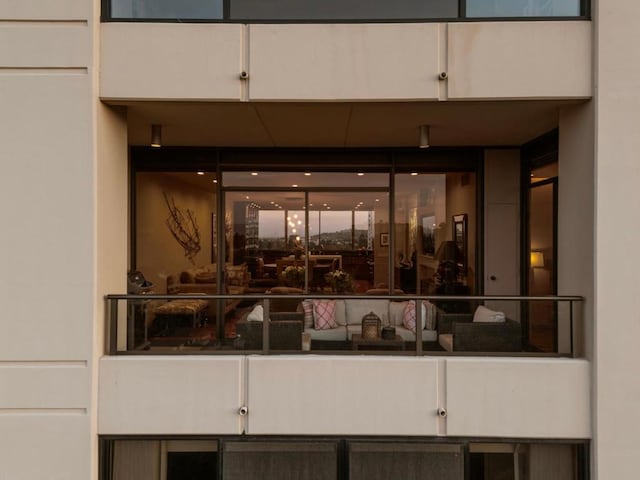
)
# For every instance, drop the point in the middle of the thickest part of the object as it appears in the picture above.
(293, 230)
(200, 173)
(414, 173)
(324, 204)
(328, 208)
(360, 174)
(377, 199)
(247, 197)
(307, 174)
(271, 203)
(254, 174)
(215, 181)
(360, 203)
(294, 185)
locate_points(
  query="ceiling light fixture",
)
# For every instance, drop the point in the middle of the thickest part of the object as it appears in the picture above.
(295, 185)
(307, 174)
(413, 174)
(424, 136)
(200, 173)
(360, 174)
(156, 136)
(254, 174)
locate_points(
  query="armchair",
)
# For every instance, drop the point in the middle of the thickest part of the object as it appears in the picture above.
(457, 332)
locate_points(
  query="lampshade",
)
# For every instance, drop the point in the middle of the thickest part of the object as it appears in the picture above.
(156, 135)
(448, 251)
(424, 136)
(537, 260)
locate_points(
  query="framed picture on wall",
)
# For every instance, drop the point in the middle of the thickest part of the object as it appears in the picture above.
(460, 237)
(384, 239)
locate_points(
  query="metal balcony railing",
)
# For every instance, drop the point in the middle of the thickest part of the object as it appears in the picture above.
(341, 324)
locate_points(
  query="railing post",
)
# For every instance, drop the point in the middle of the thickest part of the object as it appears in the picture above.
(573, 354)
(266, 320)
(112, 337)
(419, 325)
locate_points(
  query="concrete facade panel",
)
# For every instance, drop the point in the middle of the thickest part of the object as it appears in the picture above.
(527, 398)
(333, 396)
(519, 60)
(170, 61)
(169, 395)
(344, 62)
(46, 9)
(45, 45)
(45, 446)
(47, 288)
(44, 385)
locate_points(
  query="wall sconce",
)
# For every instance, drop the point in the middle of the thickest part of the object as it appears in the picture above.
(537, 260)
(424, 136)
(156, 135)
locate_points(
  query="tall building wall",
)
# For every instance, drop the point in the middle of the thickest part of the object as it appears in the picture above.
(47, 244)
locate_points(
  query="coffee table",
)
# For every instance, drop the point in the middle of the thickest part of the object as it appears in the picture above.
(357, 342)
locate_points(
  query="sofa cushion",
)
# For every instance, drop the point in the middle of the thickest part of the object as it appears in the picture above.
(486, 315)
(188, 276)
(205, 277)
(396, 312)
(256, 315)
(333, 334)
(356, 309)
(324, 313)
(409, 316)
(341, 312)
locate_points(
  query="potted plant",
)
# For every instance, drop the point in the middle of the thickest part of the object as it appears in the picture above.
(340, 281)
(293, 276)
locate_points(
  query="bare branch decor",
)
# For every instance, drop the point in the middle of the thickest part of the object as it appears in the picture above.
(184, 228)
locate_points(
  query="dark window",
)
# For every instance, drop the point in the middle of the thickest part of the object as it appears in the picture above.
(191, 465)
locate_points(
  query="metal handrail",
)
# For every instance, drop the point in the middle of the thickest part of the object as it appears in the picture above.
(267, 297)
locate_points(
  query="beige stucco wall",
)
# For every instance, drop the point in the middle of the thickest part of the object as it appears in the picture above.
(333, 395)
(47, 246)
(617, 303)
(329, 62)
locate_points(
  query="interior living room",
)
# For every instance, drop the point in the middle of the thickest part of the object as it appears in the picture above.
(390, 222)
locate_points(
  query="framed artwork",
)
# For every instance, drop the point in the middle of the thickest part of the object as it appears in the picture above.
(384, 239)
(428, 226)
(460, 237)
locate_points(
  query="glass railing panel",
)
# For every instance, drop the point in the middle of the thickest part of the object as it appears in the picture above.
(523, 8)
(342, 9)
(345, 324)
(167, 9)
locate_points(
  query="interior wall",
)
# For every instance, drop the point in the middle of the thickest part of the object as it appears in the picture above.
(158, 254)
(502, 227)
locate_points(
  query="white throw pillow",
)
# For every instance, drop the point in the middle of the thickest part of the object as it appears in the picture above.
(486, 315)
(396, 312)
(256, 315)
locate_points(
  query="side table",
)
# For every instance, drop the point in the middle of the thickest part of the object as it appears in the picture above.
(379, 343)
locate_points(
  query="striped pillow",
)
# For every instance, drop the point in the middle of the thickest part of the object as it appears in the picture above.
(307, 308)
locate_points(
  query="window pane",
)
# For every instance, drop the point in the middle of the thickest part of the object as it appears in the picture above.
(434, 214)
(342, 9)
(390, 461)
(523, 8)
(167, 9)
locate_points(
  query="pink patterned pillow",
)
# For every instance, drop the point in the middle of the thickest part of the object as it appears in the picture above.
(409, 316)
(325, 314)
